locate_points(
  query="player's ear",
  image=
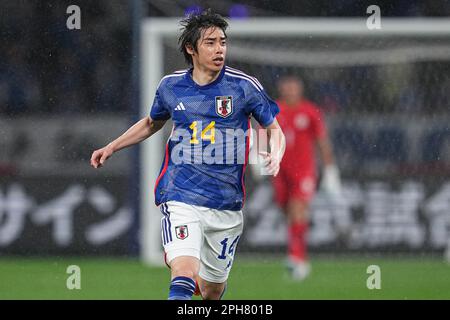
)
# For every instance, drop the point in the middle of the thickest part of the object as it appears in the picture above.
(190, 49)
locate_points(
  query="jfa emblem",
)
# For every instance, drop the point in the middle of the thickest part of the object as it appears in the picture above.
(182, 232)
(224, 106)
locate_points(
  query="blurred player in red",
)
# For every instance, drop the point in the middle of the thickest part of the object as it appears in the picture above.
(295, 185)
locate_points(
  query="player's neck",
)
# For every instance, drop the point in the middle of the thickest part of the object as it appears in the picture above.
(203, 76)
(293, 102)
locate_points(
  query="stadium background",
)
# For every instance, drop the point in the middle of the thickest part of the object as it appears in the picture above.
(64, 93)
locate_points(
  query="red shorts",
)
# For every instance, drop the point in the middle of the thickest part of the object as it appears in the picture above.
(290, 185)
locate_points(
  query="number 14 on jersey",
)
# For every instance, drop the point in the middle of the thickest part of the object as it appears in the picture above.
(207, 134)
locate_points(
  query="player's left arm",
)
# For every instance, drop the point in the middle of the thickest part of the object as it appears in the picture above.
(325, 150)
(331, 181)
(277, 145)
(264, 110)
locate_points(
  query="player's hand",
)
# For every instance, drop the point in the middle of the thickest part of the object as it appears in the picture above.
(99, 156)
(271, 163)
(331, 182)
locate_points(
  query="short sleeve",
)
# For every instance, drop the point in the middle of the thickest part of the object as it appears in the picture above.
(261, 106)
(159, 110)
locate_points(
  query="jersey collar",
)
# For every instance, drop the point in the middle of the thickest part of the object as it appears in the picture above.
(192, 82)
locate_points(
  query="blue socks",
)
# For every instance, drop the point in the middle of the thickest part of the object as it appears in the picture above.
(181, 288)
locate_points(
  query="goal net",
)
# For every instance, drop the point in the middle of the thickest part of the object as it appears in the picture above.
(386, 99)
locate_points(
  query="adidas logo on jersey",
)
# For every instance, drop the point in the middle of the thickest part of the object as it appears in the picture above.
(180, 106)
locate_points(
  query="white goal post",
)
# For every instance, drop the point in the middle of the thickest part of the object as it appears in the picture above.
(153, 31)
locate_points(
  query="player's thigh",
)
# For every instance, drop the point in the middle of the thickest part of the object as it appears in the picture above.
(302, 186)
(302, 189)
(222, 231)
(181, 231)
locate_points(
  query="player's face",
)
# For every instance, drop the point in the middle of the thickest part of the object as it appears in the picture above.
(291, 90)
(211, 49)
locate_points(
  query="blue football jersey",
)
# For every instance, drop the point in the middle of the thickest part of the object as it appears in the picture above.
(207, 151)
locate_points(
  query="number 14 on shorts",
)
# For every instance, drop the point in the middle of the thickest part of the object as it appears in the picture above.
(224, 244)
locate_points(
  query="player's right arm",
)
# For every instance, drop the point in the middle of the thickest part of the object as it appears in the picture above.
(140, 131)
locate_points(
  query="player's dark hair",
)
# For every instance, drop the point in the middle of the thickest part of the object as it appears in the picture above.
(192, 27)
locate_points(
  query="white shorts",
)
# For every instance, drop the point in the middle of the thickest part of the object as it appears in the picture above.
(210, 235)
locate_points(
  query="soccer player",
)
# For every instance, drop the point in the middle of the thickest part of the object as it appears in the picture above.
(295, 185)
(200, 190)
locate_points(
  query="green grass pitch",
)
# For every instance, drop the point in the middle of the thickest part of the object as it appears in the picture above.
(251, 278)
